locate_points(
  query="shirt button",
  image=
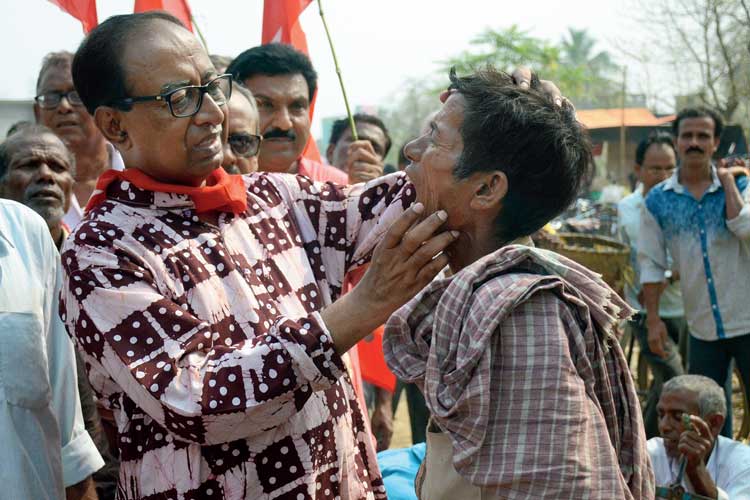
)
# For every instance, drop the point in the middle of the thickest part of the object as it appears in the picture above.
(705, 255)
(702, 231)
(714, 306)
(709, 281)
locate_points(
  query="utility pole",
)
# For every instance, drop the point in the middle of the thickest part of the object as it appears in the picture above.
(623, 157)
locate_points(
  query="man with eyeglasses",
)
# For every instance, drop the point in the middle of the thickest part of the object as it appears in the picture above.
(243, 142)
(58, 106)
(655, 161)
(207, 305)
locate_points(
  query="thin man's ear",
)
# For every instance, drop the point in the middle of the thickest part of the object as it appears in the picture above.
(37, 113)
(108, 120)
(329, 153)
(491, 188)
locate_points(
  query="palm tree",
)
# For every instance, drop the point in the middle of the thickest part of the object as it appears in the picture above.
(578, 51)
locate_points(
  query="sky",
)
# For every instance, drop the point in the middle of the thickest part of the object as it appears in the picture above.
(380, 44)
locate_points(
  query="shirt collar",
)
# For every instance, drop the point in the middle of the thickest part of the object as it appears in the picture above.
(673, 183)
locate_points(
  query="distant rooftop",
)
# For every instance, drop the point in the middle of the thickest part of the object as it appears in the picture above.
(613, 118)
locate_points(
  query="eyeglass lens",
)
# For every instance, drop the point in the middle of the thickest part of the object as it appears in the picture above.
(51, 100)
(187, 100)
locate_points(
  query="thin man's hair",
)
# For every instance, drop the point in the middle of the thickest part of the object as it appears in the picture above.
(711, 399)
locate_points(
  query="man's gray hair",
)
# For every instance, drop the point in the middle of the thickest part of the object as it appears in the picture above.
(711, 399)
(62, 59)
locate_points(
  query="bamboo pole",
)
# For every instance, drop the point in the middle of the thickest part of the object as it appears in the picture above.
(352, 126)
(200, 33)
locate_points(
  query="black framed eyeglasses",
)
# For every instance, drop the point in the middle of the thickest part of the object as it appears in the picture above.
(186, 101)
(244, 145)
(51, 100)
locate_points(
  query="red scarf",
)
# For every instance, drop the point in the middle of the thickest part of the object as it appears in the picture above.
(222, 192)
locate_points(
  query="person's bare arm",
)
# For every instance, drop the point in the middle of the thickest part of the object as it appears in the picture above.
(85, 490)
(696, 444)
(657, 330)
(733, 197)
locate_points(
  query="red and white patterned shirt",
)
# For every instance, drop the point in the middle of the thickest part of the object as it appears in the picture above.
(206, 340)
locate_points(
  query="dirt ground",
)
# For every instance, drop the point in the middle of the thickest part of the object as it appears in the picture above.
(401, 428)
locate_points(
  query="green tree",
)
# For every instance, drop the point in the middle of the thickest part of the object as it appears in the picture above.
(583, 75)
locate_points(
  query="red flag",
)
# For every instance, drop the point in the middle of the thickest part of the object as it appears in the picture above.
(178, 8)
(281, 25)
(83, 10)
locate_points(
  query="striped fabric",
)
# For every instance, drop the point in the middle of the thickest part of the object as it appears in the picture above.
(519, 366)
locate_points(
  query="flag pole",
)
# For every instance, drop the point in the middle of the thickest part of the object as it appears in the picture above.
(200, 33)
(352, 126)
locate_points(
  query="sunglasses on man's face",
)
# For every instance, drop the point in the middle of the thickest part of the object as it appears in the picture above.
(244, 145)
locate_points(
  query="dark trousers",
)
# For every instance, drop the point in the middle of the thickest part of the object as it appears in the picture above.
(662, 369)
(713, 359)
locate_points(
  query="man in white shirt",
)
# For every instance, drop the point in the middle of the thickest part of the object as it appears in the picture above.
(58, 106)
(656, 160)
(716, 466)
(46, 452)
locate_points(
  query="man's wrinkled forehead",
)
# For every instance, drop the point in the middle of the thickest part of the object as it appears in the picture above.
(37, 145)
(56, 77)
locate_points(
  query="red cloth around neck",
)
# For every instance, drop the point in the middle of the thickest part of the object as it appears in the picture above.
(222, 192)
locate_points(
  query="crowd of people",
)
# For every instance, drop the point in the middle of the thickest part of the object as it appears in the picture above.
(183, 290)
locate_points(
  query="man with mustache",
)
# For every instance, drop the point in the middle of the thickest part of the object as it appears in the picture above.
(701, 216)
(284, 82)
(46, 446)
(58, 106)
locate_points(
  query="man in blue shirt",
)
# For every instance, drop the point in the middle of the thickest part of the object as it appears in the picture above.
(701, 216)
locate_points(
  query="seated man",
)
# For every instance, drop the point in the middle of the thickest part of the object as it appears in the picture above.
(38, 170)
(243, 142)
(716, 466)
(529, 392)
(369, 128)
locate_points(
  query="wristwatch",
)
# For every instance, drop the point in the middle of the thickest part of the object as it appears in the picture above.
(668, 276)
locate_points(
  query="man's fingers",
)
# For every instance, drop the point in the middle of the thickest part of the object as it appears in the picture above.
(551, 90)
(361, 145)
(416, 236)
(399, 228)
(429, 271)
(432, 248)
(700, 426)
(522, 77)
